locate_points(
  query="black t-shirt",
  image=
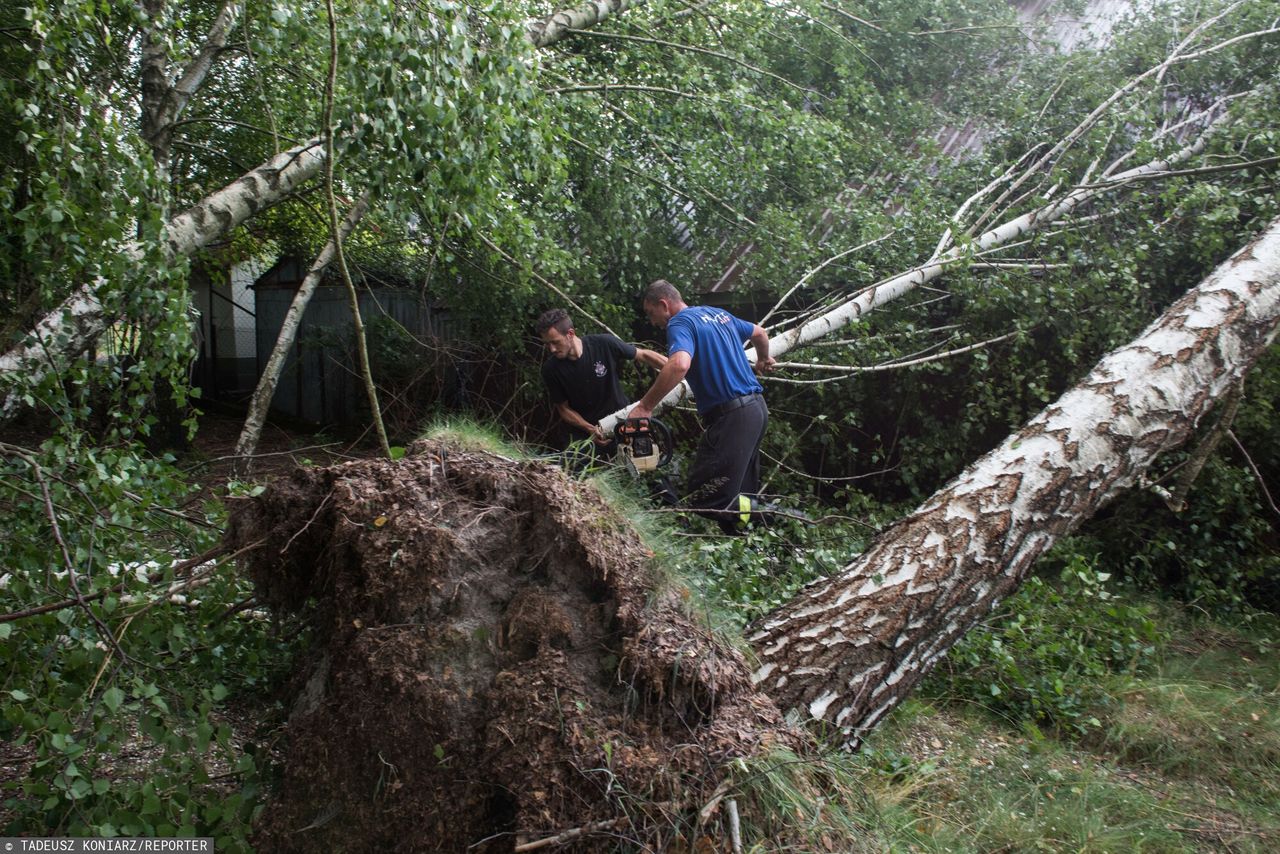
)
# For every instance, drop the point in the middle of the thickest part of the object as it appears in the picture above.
(589, 384)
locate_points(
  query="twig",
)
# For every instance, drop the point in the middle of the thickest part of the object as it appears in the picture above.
(889, 366)
(335, 233)
(735, 826)
(243, 605)
(298, 532)
(550, 285)
(1176, 500)
(1257, 474)
(1176, 173)
(702, 50)
(52, 515)
(817, 269)
(190, 563)
(570, 835)
(842, 13)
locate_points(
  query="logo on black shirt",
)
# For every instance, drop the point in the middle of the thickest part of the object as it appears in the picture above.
(601, 370)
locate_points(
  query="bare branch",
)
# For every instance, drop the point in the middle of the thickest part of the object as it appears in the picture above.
(702, 50)
(1177, 498)
(843, 14)
(1262, 484)
(800, 283)
(849, 370)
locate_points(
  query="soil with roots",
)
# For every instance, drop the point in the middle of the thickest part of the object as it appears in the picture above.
(493, 663)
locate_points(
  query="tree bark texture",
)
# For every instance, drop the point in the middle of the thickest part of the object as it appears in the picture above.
(848, 648)
(73, 326)
(852, 310)
(553, 28)
(163, 102)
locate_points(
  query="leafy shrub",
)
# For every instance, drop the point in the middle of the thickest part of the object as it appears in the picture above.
(1039, 658)
(117, 706)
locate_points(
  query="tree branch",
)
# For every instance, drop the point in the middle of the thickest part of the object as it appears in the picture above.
(335, 232)
(702, 50)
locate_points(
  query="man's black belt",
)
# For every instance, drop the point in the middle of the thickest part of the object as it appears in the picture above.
(730, 405)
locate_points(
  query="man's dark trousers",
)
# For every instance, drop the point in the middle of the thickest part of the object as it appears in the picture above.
(727, 462)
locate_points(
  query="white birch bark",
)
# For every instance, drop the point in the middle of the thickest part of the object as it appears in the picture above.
(76, 323)
(163, 102)
(553, 28)
(266, 388)
(847, 649)
(852, 310)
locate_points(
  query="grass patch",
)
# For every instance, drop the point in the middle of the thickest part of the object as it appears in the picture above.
(1211, 713)
(1185, 757)
(473, 435)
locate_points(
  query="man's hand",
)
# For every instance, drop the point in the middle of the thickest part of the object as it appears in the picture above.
(640, 411)
(764, 366)
(598, 436)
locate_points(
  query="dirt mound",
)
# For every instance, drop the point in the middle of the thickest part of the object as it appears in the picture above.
(493, 663)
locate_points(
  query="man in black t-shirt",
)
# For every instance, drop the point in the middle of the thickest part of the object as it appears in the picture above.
(582, 374)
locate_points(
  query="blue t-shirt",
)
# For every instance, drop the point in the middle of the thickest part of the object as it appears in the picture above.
(713, 338)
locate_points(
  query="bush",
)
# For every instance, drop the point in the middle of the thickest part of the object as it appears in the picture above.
(1039, 658)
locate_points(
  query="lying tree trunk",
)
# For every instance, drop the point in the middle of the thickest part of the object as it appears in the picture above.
(74, 326)
(852, 309)
(850, 647)
(76, 323)
(266, 388)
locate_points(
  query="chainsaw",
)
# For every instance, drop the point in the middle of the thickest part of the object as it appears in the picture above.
(645, 443)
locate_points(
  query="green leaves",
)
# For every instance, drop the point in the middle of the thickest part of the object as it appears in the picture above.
(112, 699)
(1041, 658)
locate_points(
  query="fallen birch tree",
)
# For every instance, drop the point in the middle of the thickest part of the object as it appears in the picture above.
(78, 321)
(849, 648)
(1036, 168)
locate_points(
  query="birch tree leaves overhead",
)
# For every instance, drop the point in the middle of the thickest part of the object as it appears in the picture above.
(660, 143)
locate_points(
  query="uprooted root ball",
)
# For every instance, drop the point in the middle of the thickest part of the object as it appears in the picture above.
(492, 662)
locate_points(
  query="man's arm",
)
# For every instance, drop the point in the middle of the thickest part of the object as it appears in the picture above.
(760, 340)
(570, 416)
(672, 373)
(652, 358)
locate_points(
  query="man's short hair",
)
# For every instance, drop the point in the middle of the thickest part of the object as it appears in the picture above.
(556, 318)
(660, 289)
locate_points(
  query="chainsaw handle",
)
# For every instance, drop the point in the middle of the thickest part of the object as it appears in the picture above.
(665, 442)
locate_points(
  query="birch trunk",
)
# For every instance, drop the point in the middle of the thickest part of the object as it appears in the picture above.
(266, 388)
(74, 325)
(872, 298)
(162, 102)
(553, 28)
(847, 649)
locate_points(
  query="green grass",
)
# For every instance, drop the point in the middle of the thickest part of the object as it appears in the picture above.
(473, 435)
(1185, 758)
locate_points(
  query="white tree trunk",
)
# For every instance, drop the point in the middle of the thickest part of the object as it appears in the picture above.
(78, 321)
(853, 309)
(848, 648)
(266, 388)
(553, 28)
(74, 325)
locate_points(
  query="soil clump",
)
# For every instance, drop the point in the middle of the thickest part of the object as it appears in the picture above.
(493, 663)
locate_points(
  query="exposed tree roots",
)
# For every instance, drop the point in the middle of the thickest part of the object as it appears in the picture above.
(493, 663)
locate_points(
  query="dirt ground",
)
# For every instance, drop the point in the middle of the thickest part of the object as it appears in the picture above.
(495, 662)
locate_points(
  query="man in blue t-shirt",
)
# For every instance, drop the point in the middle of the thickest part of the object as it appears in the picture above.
(705, 347)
